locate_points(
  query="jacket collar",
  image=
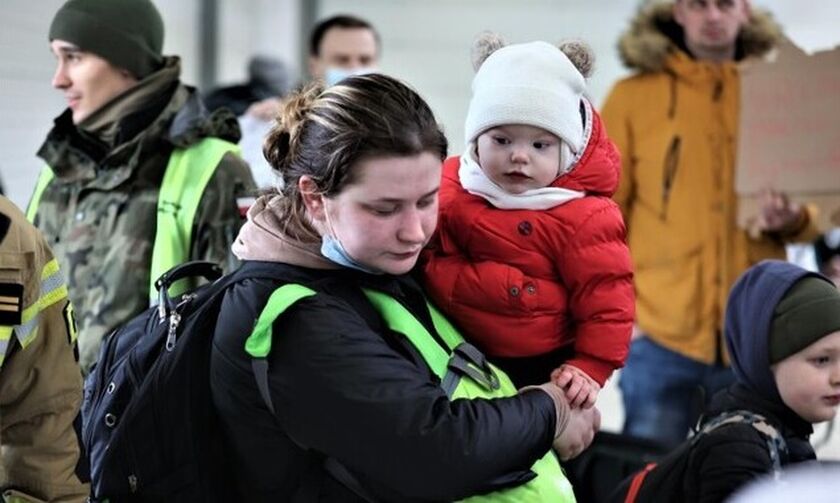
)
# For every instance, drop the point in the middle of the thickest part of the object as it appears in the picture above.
(121, 119)
(654, 36)
(162, 114)
(738, 396)
(263, 238)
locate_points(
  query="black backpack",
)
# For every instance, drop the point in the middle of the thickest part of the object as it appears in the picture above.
(667, 477)
(148, 423)
(609, 459)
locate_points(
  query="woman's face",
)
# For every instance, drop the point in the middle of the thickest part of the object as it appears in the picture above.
(386, 217)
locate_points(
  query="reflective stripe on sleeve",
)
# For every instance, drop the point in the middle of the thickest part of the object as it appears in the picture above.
(53, 289)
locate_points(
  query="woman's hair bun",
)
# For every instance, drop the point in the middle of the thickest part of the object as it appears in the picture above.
(281, 140)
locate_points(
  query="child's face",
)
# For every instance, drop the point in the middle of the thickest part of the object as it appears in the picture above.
(519, 158)
(809, 381)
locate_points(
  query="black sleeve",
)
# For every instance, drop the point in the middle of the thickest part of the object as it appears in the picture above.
(728, 460)
(345, 392)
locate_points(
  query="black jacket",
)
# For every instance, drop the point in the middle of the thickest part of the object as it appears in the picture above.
(727, 458)
(345, 387)
(731, 456)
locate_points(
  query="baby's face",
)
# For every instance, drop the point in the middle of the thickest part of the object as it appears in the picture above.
(519, 158)
(809, 381)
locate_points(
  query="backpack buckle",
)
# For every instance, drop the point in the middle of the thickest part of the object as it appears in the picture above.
(468, 360)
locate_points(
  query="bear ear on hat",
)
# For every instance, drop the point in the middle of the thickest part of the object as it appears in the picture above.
(580, 54)
(485, 44)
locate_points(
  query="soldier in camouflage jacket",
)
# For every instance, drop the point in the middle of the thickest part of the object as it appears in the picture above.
(99, 212)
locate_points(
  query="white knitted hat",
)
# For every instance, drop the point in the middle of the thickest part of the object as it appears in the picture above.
(534, 84)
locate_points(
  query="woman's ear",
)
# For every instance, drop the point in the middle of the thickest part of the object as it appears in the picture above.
(312, 198)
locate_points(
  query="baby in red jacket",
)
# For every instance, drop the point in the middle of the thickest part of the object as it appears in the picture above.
(530, 258)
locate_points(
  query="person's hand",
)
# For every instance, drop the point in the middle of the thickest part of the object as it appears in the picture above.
(266, 109)
(581, 390)
(778, 213)
(578, 433)
(574, 429)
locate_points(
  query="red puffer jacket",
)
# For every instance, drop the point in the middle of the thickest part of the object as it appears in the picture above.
(522, 282)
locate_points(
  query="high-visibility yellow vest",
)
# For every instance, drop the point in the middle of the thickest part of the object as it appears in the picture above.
(472, 378)
(187, 174)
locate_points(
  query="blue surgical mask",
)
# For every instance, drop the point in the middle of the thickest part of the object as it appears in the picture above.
(333, 74)
(332, 249)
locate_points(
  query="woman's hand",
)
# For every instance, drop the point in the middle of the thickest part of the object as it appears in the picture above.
(578, 433)
(779, 214)
(575, 428)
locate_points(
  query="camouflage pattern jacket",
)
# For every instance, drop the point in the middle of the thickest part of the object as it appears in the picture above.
(99, 213)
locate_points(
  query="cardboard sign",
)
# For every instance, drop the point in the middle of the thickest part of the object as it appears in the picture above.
(790, 132)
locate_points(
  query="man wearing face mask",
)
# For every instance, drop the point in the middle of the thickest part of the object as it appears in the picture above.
(339, 46)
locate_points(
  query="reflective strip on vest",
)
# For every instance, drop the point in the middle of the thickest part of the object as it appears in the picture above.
(52, 289)
(5, 339)
(187, 174)
(550, 483)
(44, 179)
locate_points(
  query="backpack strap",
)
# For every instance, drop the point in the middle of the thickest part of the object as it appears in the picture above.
(187, 174)
(258, 344)
(636, 483)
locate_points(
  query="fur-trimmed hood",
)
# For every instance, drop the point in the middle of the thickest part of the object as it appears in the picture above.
(653, 34)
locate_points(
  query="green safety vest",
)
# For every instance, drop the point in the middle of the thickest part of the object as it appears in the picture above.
(472, 377)
(187, 174)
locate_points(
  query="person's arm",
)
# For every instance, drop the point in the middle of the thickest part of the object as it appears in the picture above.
(218, 218)
(350, 395)
(616, 118)
(596, 268)
(726, 465)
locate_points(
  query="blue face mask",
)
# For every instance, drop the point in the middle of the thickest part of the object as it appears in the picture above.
(333, 75)
(332, 249)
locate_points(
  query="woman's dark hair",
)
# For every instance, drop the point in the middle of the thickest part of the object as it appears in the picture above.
(323, 133)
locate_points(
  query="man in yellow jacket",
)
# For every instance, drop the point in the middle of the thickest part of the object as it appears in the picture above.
(675, 122)
(40, 378)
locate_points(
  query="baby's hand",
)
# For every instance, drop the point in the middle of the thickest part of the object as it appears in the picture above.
(581, 390)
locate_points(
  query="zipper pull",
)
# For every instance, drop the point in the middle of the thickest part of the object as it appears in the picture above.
(174, 320)
(132, 483)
